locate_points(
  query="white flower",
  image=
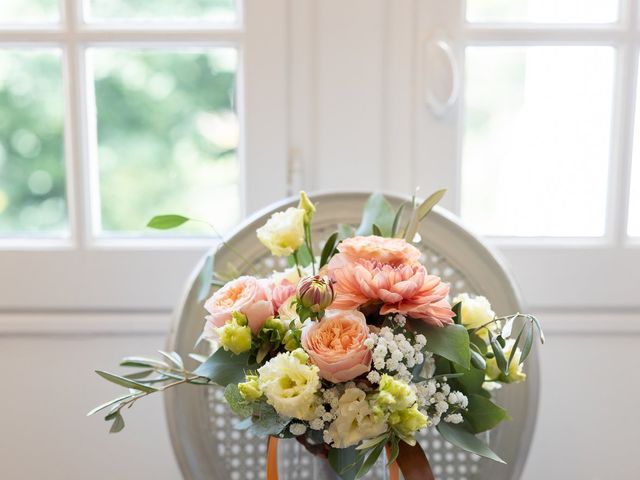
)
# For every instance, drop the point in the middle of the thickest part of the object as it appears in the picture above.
(297, 429)
(291, 274)
(290, 385)
(421, 340)
(284, 232)
(476, 311)
(373, 376)
(355, 421)
(454, 418)
(317, 424)
(515, 373)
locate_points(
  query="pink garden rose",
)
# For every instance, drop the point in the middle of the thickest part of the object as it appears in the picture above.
(401, 284)
(384, 250)
(336, 345)
(281, 292)
(246, 295)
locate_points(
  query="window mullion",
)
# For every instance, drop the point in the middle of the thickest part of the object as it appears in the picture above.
(623, 128)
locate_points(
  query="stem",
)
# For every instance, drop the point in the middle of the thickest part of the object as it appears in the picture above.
(295, 259)
(310, 247)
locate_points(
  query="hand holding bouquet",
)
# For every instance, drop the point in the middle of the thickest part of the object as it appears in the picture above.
(352, 351)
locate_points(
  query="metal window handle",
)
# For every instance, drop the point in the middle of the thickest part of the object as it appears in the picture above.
(436, 103)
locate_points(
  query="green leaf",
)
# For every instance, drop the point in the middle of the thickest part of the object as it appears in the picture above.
(328, 249)
(450, 341)
(173, 358)
(457, 309)
(539, 326)
(243, 424)
(236, 401)
(528, 341)
(477, 360)
(377, 210)
(204, 278)
(166, 222)
(118, 423)
(266, 420)
(395, 450)
(508, 327)
(109, 403)
(458, 435)
(372, 442)
(471, 381)
(125, 382)
(496, 348)
(515, 345)
(396, 220)
(476, 340)
(482, 414)
(345, 462)
(370, 461)
(138, 375)
(376, 230)
(421, 212)
(224, 367)
(345, 231)
(142, 362)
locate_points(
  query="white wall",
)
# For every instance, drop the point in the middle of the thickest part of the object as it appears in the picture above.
(587, 421)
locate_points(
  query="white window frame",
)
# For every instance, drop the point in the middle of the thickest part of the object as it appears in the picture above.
(85, 272)
(579, 265)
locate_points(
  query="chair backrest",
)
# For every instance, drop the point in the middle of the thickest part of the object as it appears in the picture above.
(201, 424)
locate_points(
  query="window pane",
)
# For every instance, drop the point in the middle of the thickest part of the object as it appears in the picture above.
(32, 183)
(12, 11)
(217, 11)
(543, 11)
(536, 140)
(167, 137)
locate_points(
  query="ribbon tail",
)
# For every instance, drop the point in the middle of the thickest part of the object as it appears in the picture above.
(272, 458)
(413, 462)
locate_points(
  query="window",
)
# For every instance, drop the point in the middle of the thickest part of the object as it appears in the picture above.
(112, 111)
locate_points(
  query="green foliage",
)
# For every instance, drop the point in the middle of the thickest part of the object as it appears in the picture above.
(329, 249)
(421, 212)
(166, 222)
(224, 367)
(125, 382)
(345, 462)
(460, 436)
(236, 401)
(482, 414)
(266, 421)
(377, 211)
(450, 341)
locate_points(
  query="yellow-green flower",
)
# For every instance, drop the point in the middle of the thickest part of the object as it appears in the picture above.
(515, 373)
(250, 390)
(393, 395)
(408, 421)
(290, 384)
(235, 335)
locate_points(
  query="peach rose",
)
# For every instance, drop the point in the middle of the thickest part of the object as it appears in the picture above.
(336, 345)
(402, 288)
(384, 250)
(246, 295)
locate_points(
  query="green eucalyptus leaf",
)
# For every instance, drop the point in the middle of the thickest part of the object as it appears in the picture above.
(496, 348)
(166, 222)
(539, 326)
(328, 249)
(243, 424)
(396, 220)
(173, 358)
(205, 279)
(528, 341)
(345, 462)
(378, 211)
(125, 382)
(266, 420)
(450, 341)
(460, 436)
(224, 367)
(118, 423)
(236, 401)
(370, 460)
(376, 230)
(482, 414)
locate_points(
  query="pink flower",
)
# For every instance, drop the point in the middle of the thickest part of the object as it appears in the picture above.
(402, 288)
(281, 292)
(246, 295)
(336, 345)
(384, 250)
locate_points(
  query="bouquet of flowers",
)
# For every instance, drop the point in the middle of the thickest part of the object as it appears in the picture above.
(351, 352)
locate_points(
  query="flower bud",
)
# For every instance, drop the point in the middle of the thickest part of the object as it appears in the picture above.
(234, 337)
(306, 205)
(250, 390)
(315, 293)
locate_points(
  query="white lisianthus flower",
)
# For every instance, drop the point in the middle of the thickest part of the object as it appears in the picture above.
(476, 311)
(355, 420)
(291, 274)
(284, 232)
(290, 384)
(515, 373)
